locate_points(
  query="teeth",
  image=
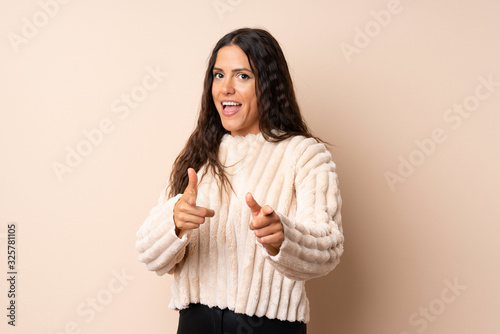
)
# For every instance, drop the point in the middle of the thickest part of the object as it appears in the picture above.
(230, 104)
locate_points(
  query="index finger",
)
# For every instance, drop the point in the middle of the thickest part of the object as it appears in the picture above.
(267, 210)
(200, 211)
(262, 221)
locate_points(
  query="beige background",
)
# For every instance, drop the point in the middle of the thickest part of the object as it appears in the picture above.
(404, 245)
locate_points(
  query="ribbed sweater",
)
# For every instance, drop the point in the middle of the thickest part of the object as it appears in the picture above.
(221, 263)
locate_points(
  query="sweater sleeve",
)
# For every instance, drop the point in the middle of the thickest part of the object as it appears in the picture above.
(158, 245)
(313, 239)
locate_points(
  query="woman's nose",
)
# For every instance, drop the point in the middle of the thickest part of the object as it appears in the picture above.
(228, 87)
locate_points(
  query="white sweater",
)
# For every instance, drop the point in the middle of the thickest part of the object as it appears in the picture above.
(221, 263)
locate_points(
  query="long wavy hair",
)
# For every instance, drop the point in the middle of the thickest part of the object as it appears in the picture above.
(276, 102)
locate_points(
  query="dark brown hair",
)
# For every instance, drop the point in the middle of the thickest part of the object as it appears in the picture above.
(277, 107)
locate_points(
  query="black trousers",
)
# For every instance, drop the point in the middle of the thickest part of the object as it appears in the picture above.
(201, 319)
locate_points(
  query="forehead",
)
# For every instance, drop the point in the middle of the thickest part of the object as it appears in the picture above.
(231, 56)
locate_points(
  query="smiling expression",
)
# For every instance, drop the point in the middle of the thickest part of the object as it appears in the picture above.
(233, 91)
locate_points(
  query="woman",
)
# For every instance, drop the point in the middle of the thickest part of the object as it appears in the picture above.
(252, 209)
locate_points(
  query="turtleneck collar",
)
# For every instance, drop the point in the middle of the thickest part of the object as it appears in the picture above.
(248, 138)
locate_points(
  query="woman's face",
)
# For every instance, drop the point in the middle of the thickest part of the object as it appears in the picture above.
(233, 91)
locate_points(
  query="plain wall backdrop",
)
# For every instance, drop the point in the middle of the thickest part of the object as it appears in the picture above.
(97, 98)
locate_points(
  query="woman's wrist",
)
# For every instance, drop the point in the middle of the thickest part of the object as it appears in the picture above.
(272, 250)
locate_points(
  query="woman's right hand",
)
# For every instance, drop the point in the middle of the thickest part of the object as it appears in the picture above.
(188, 216)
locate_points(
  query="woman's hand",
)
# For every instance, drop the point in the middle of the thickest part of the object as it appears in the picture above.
(188, 216)
(266, 225)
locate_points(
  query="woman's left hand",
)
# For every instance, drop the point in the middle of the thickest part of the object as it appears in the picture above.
(266, 225)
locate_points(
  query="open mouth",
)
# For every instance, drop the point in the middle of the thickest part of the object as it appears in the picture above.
(230, 107)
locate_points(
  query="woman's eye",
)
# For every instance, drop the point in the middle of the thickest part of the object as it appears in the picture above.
(218, 75)
(244, 76)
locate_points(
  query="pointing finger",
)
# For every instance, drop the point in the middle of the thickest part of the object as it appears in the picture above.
(210, 213)
(267, 210)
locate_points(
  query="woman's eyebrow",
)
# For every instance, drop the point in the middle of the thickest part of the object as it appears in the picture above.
(234, 70)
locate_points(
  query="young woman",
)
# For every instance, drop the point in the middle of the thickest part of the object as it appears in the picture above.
(252, 209)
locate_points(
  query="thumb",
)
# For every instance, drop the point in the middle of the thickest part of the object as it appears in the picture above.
(252, 204)
(192, 186)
